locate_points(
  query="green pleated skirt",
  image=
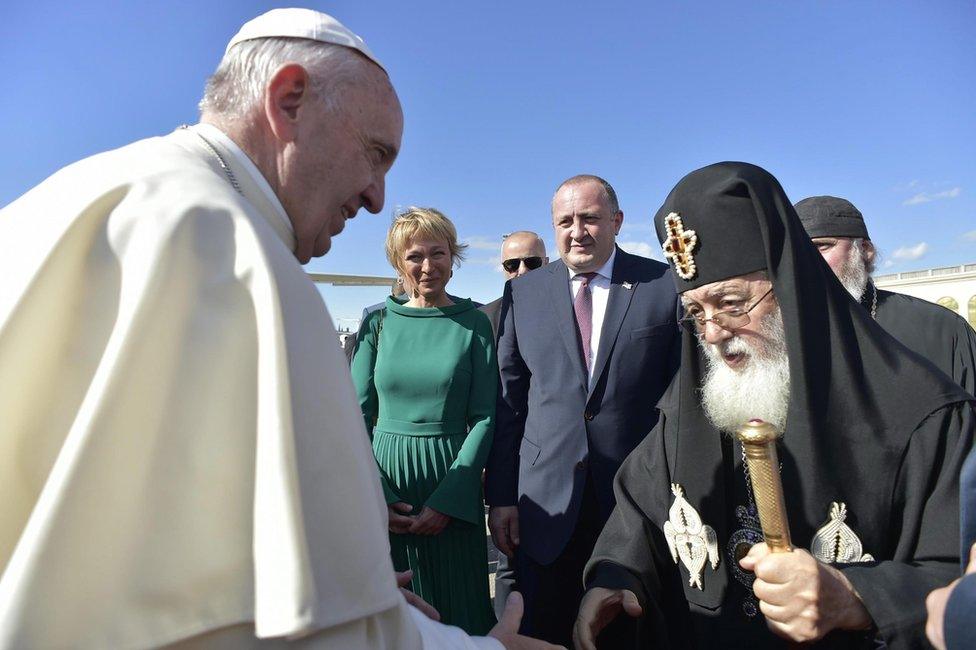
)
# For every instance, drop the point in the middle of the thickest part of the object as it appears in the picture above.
(450, 570)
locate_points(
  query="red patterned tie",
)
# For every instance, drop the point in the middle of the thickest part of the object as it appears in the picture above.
(583, 306)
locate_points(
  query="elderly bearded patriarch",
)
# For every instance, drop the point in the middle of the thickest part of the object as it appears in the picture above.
(873, 442)
(758, 388)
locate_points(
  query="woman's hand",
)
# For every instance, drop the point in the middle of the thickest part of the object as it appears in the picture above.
(400, 523)
(429, 522)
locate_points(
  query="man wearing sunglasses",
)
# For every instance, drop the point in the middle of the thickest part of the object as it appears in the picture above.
(586, 346)
(516, 266)
(522, 251)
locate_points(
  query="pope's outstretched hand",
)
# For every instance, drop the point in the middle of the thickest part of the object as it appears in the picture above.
(403, 579)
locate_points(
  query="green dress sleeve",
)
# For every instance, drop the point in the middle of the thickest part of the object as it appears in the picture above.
(459, 493)
(363, 374)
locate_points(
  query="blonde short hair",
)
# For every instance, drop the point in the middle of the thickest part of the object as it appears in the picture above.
(421, 223)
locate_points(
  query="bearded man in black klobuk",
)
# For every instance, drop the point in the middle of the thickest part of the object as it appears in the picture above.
(873, 440)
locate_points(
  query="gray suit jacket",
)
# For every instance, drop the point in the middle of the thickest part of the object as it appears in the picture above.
(553, 426)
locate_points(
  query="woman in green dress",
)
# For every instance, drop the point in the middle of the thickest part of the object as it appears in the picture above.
(426, 375)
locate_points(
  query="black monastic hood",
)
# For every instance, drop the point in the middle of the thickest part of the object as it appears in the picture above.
(856, 394)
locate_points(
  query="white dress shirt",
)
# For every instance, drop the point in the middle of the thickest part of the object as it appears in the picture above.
(600, 291)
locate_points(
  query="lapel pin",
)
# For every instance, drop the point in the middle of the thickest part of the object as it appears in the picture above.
(627, 285)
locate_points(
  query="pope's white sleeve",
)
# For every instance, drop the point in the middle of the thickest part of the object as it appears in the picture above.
(435, 636)
(397, 628)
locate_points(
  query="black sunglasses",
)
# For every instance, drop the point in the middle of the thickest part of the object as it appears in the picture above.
(512, 265)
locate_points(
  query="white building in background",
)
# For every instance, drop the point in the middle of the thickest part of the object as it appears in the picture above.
(351, 326)
(953, 287)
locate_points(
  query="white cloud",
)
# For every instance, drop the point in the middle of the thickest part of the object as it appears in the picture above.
(493, 260)
(908, 253)
(907, 187)
(928, 197)
(888, 264)
(639, 248)
(637, 226)
(969, 236)
(482, 243)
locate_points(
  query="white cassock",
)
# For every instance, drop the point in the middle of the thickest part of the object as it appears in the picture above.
(182, 458)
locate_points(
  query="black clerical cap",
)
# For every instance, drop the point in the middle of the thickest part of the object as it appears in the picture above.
(709, 226)
(830, 216)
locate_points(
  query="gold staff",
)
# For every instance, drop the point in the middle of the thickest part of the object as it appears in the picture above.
(758, 440)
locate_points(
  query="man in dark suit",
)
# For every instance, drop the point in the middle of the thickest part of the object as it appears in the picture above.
(586, 347)
(522, 251)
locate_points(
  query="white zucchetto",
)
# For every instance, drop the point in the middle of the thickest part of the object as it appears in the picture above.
(301, 23)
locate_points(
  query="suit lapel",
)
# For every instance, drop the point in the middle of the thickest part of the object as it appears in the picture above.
(618, 302)
(562, 310)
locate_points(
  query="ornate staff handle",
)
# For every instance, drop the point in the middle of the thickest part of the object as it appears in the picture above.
(758, 440)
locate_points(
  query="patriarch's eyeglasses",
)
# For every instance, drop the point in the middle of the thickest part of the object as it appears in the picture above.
(729, 319)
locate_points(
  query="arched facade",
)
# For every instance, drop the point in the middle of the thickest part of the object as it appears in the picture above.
(953, 287)
(949, 303)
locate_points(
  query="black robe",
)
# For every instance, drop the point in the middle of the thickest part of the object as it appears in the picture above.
(902, 501)
(938, 334)
(870, 424)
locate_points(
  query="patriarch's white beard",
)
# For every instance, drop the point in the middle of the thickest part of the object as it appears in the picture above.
(759, 389)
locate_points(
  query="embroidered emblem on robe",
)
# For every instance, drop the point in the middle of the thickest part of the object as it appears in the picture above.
(836, 541)
(679, 245)
(689, 538)
(741, 541)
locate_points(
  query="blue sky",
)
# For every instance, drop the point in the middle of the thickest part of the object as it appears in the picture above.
(873, 101)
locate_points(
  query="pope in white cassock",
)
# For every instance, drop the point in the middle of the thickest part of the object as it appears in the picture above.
(182, 456)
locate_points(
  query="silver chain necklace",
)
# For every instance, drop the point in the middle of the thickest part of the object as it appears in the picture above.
(745, 470)
(220, 160)
(874, 300)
